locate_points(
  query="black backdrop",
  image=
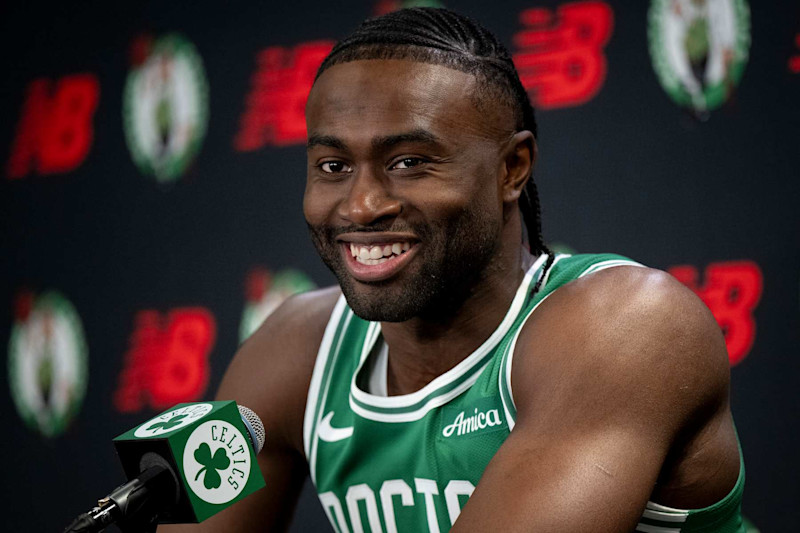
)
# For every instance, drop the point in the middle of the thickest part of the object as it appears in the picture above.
(627, 170)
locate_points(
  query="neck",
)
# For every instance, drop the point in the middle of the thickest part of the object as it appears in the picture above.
(421, 349)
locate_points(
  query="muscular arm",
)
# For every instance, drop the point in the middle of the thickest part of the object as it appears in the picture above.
(270, 374)
(620, 381)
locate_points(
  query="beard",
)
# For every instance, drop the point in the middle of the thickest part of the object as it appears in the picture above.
(454, 256)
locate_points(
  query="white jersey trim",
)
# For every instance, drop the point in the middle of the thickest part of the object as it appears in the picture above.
(311, 419)
(611, 263)
(411, 416)
(316, 375)
(505, 371)
(664, 516)
(662, 513)
(664, 510)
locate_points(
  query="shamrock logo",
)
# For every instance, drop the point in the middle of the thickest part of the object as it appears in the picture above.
(168, 424)
(211, 464)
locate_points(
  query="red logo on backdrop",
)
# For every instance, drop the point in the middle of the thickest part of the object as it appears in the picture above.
(167, 362)
(731, 290)
(794, 62)
(55, 131)
(560, 57)
(275, 107)
(383, 7)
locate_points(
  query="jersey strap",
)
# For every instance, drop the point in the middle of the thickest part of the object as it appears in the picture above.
(565, 268)
(318, 387)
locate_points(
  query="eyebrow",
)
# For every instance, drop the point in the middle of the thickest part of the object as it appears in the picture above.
(413, 136)
(378, 143)
(325, 140)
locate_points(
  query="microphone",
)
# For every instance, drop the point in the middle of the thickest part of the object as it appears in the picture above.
(184, 465)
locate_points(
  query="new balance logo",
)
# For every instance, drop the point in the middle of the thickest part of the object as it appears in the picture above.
(475, 422)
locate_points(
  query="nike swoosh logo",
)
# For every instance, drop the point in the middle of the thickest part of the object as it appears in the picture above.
(329, 433)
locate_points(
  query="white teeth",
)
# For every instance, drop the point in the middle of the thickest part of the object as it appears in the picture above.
(372, 261)
(373, 255)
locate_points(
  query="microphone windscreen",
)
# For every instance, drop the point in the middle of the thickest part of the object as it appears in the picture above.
(255, 427)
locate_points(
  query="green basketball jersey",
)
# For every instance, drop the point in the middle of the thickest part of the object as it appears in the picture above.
(409, 463)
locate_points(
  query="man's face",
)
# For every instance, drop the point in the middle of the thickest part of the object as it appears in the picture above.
(403, 197)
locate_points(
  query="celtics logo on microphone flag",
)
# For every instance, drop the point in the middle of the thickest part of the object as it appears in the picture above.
(211, 449)
(216, 462)
(173, 419)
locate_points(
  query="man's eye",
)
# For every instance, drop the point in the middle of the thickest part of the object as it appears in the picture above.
(408, 162)
(334, 167)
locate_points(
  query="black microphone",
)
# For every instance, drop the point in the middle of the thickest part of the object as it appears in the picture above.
(184, 466)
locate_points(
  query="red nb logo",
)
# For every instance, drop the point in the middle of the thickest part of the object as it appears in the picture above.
(167, 362)
(794, 61)
(732, 291)
(275, 113)
(560, 58)
(54, 133)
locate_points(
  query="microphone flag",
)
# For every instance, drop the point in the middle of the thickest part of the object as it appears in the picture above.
(209, 448)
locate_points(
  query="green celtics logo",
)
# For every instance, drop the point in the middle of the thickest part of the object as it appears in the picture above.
(172, 420)
(216, 461)
(382, 7)
(405, 4)
(562, 248)
(699, 49)
(165, 108)
(47, 362)
(265, 292)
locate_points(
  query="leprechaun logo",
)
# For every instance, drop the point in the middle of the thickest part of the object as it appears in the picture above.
(172, 420)
(165, 106)
(47, 362)
(216, 461)
(265, 292)
(699, 49)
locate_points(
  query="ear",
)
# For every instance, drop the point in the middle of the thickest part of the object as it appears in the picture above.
(519, 157)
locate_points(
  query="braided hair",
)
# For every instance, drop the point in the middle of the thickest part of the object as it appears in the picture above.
(443, 37)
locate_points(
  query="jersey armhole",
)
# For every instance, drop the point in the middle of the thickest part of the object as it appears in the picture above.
(724, 514)
(506, 391)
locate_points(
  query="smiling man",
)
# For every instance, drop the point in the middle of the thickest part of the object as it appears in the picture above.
(461, 375)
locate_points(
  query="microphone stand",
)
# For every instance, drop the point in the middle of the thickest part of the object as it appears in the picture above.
(133, 506)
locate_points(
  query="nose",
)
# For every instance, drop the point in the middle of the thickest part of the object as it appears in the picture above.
(369, 199)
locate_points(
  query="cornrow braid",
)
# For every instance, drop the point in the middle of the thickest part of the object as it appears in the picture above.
(443, 37)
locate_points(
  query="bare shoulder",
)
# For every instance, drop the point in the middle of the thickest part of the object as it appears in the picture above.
(271, 371)
(620, 383)
(632, 338)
